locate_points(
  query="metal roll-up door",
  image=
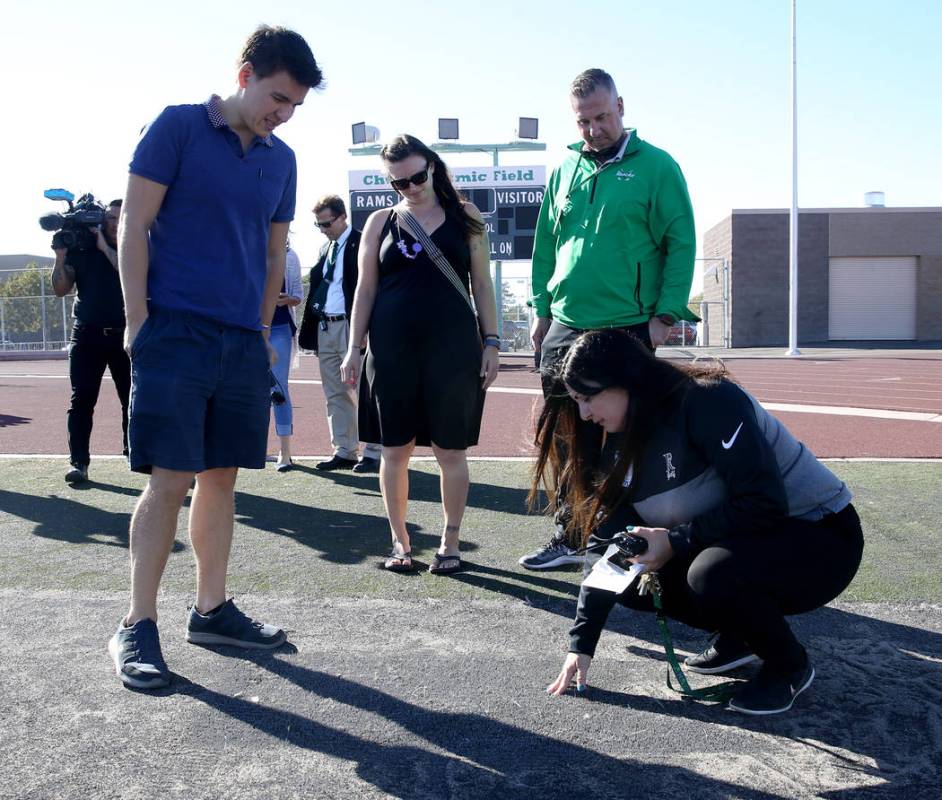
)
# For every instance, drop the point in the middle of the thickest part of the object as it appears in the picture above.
(872, 298)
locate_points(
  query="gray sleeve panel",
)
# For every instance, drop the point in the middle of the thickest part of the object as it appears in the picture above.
(811, 488)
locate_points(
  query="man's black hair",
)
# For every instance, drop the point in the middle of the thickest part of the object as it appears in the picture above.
(271, 50)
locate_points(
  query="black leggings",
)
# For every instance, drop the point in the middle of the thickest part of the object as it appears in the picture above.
(744, 586)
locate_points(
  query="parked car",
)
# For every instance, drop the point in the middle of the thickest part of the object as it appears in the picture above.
(683, 333)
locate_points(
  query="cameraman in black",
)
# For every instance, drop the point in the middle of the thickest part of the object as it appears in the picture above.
(97, 334)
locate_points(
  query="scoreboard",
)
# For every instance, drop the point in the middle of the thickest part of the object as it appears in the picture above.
(508, 197)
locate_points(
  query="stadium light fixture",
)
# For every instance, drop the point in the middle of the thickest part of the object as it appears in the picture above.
(363, 133)
(528, 128)
(447, 128)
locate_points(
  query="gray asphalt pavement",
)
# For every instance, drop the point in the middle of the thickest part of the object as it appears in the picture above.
(433, 699)
(425, 687)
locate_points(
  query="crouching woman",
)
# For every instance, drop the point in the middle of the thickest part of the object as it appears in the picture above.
(743, 524)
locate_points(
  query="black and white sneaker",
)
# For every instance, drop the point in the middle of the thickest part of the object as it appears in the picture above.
(723, 654)
(229, 626)
(554, 554)
(770, 691)
(137, 657)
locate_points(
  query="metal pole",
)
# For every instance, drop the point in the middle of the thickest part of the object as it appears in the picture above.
(3, 323)
(42, 302)
(727, 314)
(793, 213)
(499, 279)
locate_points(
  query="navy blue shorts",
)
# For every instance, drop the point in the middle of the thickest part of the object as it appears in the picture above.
(199, 395)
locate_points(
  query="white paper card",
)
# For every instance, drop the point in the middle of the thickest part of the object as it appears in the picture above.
(610, 578)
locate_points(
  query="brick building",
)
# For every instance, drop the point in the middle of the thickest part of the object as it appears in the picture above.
(871, 273)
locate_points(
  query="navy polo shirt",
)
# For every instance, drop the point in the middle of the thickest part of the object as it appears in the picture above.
(209, 241)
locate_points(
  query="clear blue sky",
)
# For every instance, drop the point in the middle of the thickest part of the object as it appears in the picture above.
(707, 81)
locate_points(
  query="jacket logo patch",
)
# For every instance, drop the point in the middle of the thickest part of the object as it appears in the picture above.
(669, 463)
(622, 175)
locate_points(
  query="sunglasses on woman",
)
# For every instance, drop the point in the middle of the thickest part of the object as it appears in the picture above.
(400, 184)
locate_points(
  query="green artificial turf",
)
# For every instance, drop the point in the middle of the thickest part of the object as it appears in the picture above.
(306, 533)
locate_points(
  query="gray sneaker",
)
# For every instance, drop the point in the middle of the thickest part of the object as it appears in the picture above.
(137, 657)
(553, 555)
(229, 626)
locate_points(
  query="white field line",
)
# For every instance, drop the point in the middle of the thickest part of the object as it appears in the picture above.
(795, 408)
(509, 459)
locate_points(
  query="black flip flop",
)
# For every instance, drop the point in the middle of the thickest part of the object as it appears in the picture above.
(437, 569)
(391, 565)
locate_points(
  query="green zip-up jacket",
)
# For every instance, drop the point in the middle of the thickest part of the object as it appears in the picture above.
(614, 244)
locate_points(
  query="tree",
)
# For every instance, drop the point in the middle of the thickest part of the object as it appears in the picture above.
(22, 300)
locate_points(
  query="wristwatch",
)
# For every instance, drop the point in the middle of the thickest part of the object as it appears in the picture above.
(667, 319)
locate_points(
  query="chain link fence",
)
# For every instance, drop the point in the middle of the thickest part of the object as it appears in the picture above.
(518, 318)
(31, 316)
(711, 332)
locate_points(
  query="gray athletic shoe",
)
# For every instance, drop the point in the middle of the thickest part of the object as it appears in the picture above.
(137, 657)
(229, 626)
(553, 555)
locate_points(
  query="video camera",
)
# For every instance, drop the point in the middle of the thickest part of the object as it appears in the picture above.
(72, 227)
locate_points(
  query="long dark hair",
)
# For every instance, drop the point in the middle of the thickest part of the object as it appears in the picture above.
(404, 146)
(569, 449)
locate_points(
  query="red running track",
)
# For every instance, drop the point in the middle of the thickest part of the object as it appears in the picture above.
(34, 396)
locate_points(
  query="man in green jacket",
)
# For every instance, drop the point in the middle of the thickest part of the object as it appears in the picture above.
(614, 247)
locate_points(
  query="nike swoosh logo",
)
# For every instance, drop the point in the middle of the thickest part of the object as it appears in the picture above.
(727, 445)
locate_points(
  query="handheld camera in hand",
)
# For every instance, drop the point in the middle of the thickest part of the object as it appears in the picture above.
(628, 546)
(277, 392)
(73, 227)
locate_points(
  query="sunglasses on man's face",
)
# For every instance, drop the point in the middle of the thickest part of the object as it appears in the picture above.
(325, 225)
(400, 184)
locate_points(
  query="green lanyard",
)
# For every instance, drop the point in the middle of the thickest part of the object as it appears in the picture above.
(719, 693)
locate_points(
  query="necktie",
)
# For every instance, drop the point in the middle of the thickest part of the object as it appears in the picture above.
(331, 261)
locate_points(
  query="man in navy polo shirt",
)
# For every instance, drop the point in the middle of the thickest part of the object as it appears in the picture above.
(202, 253)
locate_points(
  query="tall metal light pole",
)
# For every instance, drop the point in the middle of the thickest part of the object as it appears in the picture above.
(494, 150)
(793, 214)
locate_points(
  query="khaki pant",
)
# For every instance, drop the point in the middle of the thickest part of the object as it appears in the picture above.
(341, 397)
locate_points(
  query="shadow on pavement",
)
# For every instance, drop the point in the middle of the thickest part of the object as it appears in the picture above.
(341, 537)
(67, 520)
(468, 754)
(424, 487)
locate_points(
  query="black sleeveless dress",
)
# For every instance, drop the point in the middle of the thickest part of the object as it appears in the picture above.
(422, 369)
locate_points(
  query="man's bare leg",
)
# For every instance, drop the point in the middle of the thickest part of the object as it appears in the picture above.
(212, 514)
(153, 527)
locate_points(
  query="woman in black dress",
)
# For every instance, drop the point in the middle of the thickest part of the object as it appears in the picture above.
(430, 358)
